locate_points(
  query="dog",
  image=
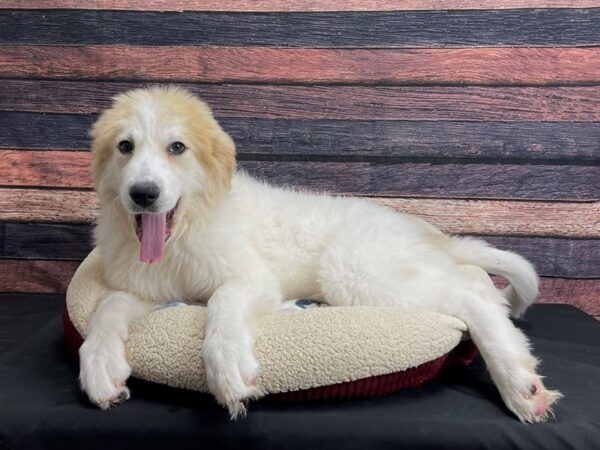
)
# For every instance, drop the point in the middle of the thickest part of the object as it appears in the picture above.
(178, 222)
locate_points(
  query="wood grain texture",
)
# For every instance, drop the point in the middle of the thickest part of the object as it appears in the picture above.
(497, 217)
(409, 29)
(555, 257)
(48, 131)
(507, 142)
(480, 66)
(545, 182)
(481, 217)
(41, 205)
(43, 168)
(293, 5)
(46, 241)
(36, 276)
(580, 293)
(477, 104)
(436, 180)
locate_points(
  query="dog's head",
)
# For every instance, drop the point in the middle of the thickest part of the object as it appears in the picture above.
(156, 152)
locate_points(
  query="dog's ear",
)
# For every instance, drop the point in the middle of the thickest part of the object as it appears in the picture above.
(214, 148)
(219, 160)
(223, 149)
(102, 137)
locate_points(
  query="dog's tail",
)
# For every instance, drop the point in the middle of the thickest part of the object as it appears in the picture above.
(520, 273)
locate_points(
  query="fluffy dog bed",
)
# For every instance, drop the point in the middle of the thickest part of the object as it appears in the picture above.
(315, 353)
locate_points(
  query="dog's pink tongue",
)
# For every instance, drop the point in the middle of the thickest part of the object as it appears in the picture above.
(154, 233)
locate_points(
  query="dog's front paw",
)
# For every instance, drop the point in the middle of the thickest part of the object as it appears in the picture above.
(104, 369)
(231, 371)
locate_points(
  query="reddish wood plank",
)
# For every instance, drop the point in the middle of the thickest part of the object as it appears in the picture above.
(498, 217)
(507, 104)
(36, 205)
(482, 217)
(45, 168)
(36, 276)
(535, 66)
(584, 294)
(294, 5)
(533, 182)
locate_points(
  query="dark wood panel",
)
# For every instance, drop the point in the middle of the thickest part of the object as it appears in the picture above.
(293, 5)
(483, 217)
(481, 66)
(476, 104)
(46, 241)
(349, 139)
(556, 257)
(502, 28)
(436, 180)
(543, 182)
(35, 130)
(36, 276)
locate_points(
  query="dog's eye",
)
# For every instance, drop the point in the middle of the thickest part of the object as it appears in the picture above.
(125, 146)
(176, 148)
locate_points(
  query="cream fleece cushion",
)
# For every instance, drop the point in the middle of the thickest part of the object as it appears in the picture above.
(297, 350)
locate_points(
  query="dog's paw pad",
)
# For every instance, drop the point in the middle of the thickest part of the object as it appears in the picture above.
(537, 404)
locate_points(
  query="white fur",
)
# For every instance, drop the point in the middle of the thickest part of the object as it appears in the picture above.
(261, 244)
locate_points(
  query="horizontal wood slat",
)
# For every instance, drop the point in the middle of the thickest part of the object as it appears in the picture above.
(482, 217)
(530, 141)
(45, 276)
(546, 182)
(436, 180)
(36, 276)
(482, 66)
(497, 217)
(293, 5)
(557, 257)
(410, 29)
(580, 293)
(37, 205)
(45, 168)
(46, 241)
(477, 104)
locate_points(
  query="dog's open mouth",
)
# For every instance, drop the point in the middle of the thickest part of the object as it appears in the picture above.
(153, 230)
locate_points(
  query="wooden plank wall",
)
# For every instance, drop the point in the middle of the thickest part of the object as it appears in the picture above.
(481, 116)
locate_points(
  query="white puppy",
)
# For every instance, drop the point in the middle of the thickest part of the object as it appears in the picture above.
(177, 223)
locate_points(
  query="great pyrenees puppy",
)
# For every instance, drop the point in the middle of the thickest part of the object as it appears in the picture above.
(178, 223)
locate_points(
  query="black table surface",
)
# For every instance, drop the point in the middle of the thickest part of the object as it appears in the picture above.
(41, 406)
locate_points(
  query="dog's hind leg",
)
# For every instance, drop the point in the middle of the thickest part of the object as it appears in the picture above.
(371, 275)
(103, 366)
(505, 350)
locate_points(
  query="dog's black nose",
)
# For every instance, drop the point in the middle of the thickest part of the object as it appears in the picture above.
(144, 194)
